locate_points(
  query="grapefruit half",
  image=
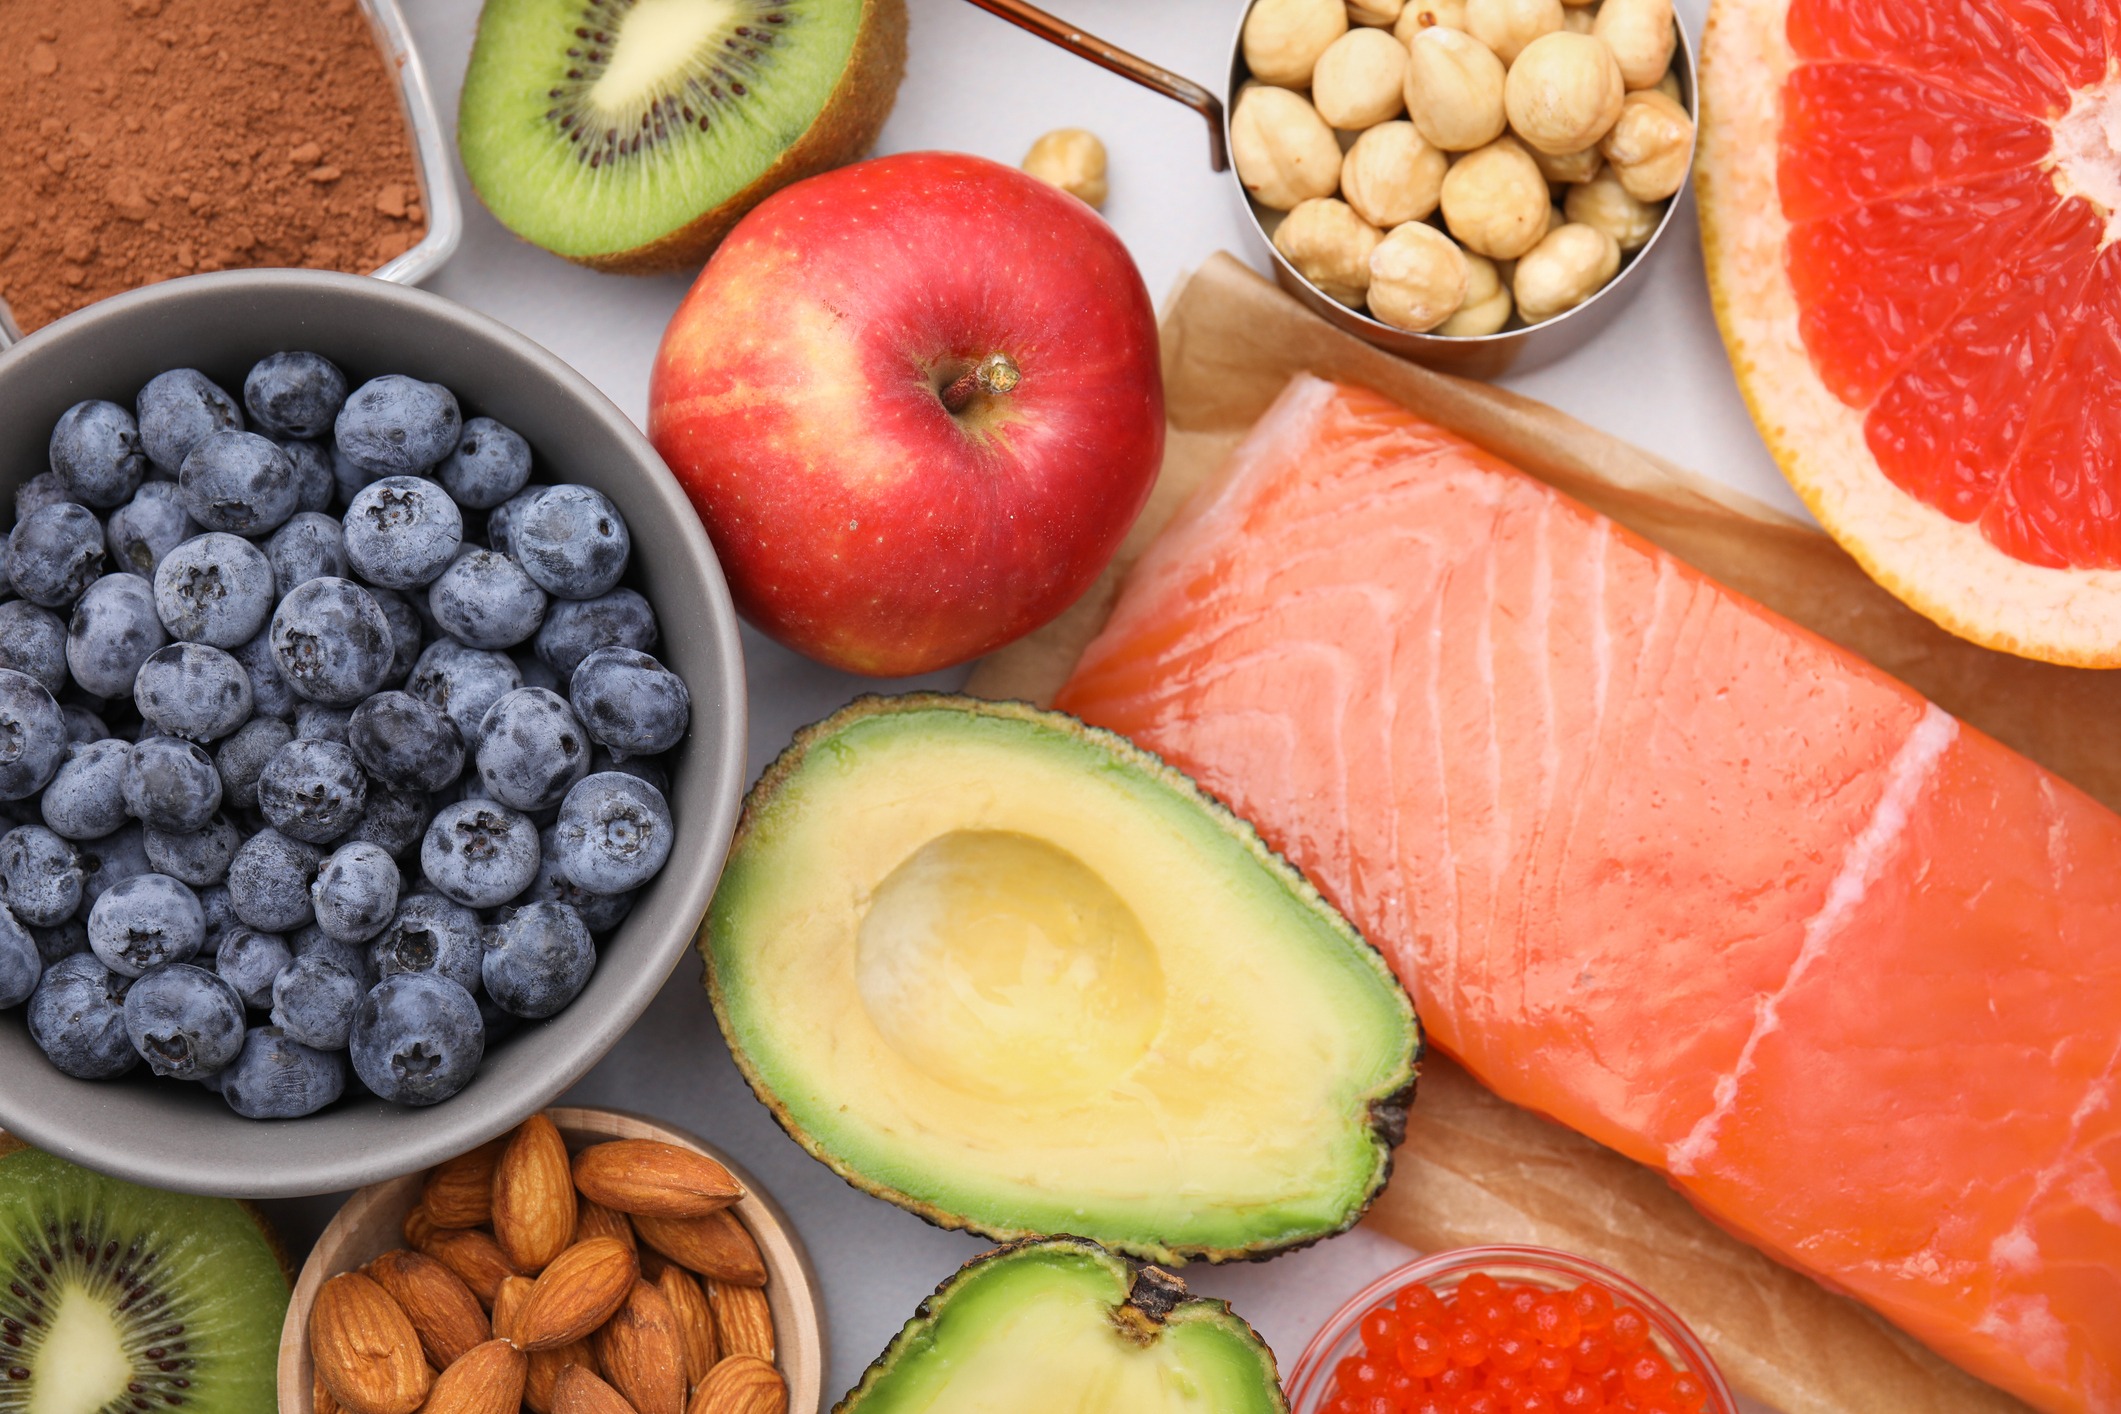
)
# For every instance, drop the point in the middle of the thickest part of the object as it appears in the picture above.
(1909, 209)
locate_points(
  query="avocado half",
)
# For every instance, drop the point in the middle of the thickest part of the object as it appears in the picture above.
(1015, 974)
(1063, 1325)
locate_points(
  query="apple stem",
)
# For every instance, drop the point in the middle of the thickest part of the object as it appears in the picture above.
(995, 375)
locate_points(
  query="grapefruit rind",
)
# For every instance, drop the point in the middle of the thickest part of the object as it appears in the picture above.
(1942, 568)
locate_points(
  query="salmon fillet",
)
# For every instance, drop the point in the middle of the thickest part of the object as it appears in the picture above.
(1664, 866)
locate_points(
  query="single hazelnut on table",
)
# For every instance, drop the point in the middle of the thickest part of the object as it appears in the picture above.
(1649, 145)
(1417, 278)
(1071, 159)
(1603, 203)
(1360, 80)
(1495, 202)
(1487, 303)
(1641, 35)
(1392, 175)
(1454, 90)
(1428, 14)
(1382, 13)
(1330, 246)
(1563, 93)
(1284, 152)
(1507, 26)
(1283, 38)
(1573, 263)
(1568, 167)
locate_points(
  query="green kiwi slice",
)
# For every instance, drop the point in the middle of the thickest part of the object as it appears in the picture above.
(631, 134)
(119, 1299)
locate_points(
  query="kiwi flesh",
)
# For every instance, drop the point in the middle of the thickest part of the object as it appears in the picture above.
(119, 1299)
(630, 135)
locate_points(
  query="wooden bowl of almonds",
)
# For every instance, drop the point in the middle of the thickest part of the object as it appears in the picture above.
(588, 1262)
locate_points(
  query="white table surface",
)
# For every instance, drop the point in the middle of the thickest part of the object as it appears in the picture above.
(1658, 376)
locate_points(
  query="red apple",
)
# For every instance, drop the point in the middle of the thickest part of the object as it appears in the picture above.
(917, 403)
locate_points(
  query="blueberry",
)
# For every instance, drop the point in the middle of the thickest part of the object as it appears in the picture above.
(112, 631)
(95, 449)
(630, 703)
(111, 860)
(314, 484)
(40, 876)
(405, 742)
(274, 1076)
(82, 725)
(238, 482)
(538, 959)
(250, 961)
(46, 488)
(318, 723)
(86, 798)
(309, 546)
(178, 408)
(60, 940)
(184, 1021)
(532, 749)
(572, 541)
(613, 834)
(402, 531)
(331, 641)
(394, 820)
(406, 633)
(313, 941)
(294, 394)
(314, 1001)
(480, 853)
(601, 912)
(220, 914)
(55, 554)
(356, 892)
(215, 588)
(395, 425)
(146, 528)
(347, 479)
(146, 922)
(170, 784)
(500, 521)
(575, 628)
(489, 465)
(268, 882)
(463, 682)
(33, 641)
(241, 759)
(431, 934)
(197, 858)
(193, 691)
(270, 696)
(534, 671)
(416, 1038)
(21, 961)
(312, 791)
(32, 735)
(484, 600)
(77, 1018)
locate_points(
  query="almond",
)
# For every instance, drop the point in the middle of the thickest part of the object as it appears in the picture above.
(695, 1320)
(649, 1176)
(714, 1246)
(578, 1391)
(546, 1366)
(533, 1196)
(418, 1227)
(435, 1299)
(320, 1400)
(487, 1379)
(365, 1349)
(743, 1322)
(459, 1193)
(578, 1291)
(642, 1353)
(476, 1258)
(508, 1307)
(653, 1263)
(593, 1219)
(742, 1384)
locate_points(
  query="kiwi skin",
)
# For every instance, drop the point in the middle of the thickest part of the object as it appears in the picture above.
(845, 129)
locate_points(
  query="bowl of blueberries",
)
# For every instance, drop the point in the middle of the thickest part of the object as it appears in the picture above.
(371, 731)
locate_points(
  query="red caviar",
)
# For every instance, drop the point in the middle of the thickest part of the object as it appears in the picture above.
(1494, 1347)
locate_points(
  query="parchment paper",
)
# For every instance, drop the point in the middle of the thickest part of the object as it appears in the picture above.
(1474, 1168)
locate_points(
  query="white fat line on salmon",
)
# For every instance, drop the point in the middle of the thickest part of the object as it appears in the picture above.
(1909, 771)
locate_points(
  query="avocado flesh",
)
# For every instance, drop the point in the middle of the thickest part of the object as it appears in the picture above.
(1045, 1328)
(1017, 975)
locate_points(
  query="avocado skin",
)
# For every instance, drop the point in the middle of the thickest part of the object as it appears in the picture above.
(1388, 1113)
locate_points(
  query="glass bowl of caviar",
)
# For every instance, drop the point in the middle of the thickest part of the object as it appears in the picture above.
(1506, 1330)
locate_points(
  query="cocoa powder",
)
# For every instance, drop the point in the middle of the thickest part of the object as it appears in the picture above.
(141, 140)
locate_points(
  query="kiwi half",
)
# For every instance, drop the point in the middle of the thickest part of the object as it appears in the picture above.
(630, 135)
(119, 1299)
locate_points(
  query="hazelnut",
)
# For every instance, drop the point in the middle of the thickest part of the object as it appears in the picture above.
(1576, 20)
(1417, 277)
(1284, 151)
(1495, 201)
(1360, 80)
(1454, 89)
(1669, 87)
(1071, 159)
(1640, 34)
(1563, 92)
(1283, 38)
(1330, 246)
(1565, 269)
(1649, 145)
(1603, 203)
(1392, 175)
(1567, 167)
(1487, 303)
(1428, 14)
(1381, 13)
(1507, 26)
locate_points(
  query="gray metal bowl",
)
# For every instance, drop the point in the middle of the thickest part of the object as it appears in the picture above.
(179, 1136)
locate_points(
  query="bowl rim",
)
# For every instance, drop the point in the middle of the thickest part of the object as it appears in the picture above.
(717, 744)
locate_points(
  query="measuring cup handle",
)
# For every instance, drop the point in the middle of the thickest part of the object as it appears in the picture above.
(1088, 46)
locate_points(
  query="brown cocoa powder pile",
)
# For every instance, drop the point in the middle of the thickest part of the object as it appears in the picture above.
(141, 140)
